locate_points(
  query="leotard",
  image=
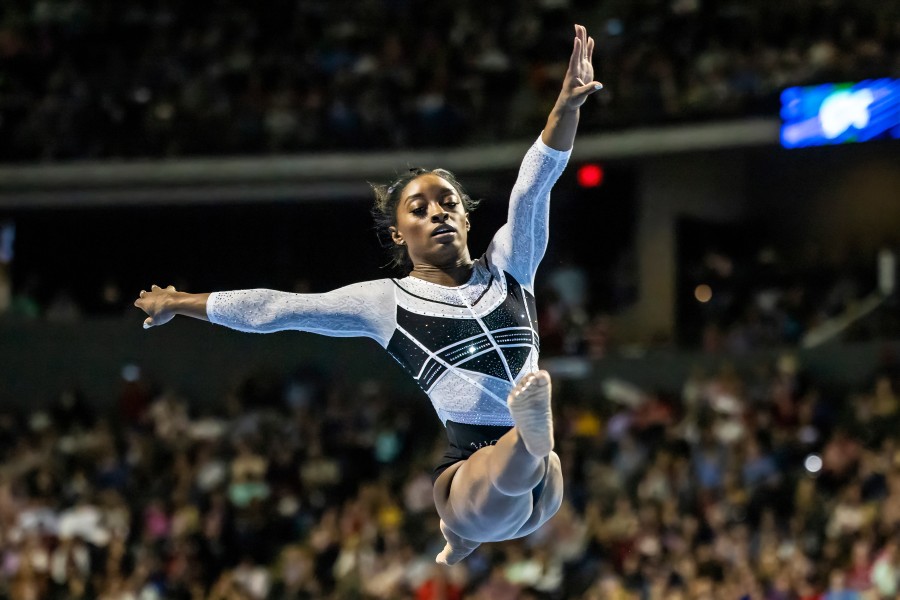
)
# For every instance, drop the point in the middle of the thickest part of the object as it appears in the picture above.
(465, 346)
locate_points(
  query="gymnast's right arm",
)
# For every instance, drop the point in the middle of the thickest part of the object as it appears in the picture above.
(360, 310)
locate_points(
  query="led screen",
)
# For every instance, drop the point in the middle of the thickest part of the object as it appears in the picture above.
(838, 113)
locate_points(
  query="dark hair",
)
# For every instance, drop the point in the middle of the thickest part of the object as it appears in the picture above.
(384, 211)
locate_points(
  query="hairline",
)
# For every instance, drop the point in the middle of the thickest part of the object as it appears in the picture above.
(451, 187)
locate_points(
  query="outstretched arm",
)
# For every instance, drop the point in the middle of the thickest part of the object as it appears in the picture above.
(559, 133)
(519, 245)
(359, 310)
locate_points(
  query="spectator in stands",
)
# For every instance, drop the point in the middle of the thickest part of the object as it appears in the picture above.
(94, 510)
(80, 80)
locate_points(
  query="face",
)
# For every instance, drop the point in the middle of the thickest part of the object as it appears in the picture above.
(432, 222)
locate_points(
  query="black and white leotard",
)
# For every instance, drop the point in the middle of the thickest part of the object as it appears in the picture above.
(465, 346)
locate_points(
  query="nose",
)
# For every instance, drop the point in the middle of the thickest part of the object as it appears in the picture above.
(440, 216)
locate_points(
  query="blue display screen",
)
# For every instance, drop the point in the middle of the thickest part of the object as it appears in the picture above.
(838, 113)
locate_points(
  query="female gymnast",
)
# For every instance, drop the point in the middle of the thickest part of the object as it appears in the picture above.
(465, 330)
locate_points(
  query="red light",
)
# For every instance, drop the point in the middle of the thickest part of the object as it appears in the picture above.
(590, 176)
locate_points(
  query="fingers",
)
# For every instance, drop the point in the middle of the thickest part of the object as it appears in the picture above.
(575, 59)
(156, 288)
(590, 88)
(584, 42)
(139, 303)
(582, 49)
(582, 36)
(580, 32)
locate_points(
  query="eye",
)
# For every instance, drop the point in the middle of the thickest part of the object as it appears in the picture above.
(419, 211)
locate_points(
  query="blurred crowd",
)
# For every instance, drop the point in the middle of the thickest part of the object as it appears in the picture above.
(728, 301)
(761, 485)
(160, 78)
(771, 298)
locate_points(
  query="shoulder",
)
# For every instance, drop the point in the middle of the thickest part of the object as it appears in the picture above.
(372, 286)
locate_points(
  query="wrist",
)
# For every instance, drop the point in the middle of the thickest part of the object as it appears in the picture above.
(562, 108)
(176, 302)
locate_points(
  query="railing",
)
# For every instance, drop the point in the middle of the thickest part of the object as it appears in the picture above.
(39, 359)
(330, 176)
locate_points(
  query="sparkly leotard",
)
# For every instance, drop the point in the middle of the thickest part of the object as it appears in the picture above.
(465, 346)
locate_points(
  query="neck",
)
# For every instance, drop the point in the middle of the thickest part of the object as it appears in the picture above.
(453, 274)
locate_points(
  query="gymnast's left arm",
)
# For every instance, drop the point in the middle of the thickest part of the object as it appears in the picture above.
(519, 245)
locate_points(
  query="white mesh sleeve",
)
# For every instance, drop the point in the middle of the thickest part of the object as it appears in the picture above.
(366, 309)
(519, 245)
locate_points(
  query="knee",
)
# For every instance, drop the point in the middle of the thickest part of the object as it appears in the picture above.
(554, 502)
(551, 497)
(554, 485)
(554, 464)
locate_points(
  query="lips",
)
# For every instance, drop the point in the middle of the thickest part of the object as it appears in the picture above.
(441, 229)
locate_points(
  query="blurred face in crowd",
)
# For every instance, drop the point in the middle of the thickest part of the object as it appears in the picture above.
(837, 581)
(432, 222)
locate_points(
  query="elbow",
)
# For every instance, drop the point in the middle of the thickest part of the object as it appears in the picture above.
(265, 327)
(261, 322)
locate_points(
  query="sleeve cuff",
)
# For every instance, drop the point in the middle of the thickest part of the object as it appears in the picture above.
(210, 307)
(552, 152)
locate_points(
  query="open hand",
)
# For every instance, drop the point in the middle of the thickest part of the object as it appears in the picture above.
(157, 303)
(579, 81)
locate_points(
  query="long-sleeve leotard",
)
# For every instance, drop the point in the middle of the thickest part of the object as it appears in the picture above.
(466, 346)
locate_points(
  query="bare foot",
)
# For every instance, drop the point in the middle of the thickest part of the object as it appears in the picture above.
(529, 404)
(456, 549)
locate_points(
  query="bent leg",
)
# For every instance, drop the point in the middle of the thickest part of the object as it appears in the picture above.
(489, 497)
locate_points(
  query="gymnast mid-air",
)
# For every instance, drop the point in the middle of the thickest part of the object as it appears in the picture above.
(465, 330)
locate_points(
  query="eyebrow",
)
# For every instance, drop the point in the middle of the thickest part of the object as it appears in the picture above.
(442, 191)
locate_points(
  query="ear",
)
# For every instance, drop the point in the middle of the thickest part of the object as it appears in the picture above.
(468, 225)
(396, 236)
